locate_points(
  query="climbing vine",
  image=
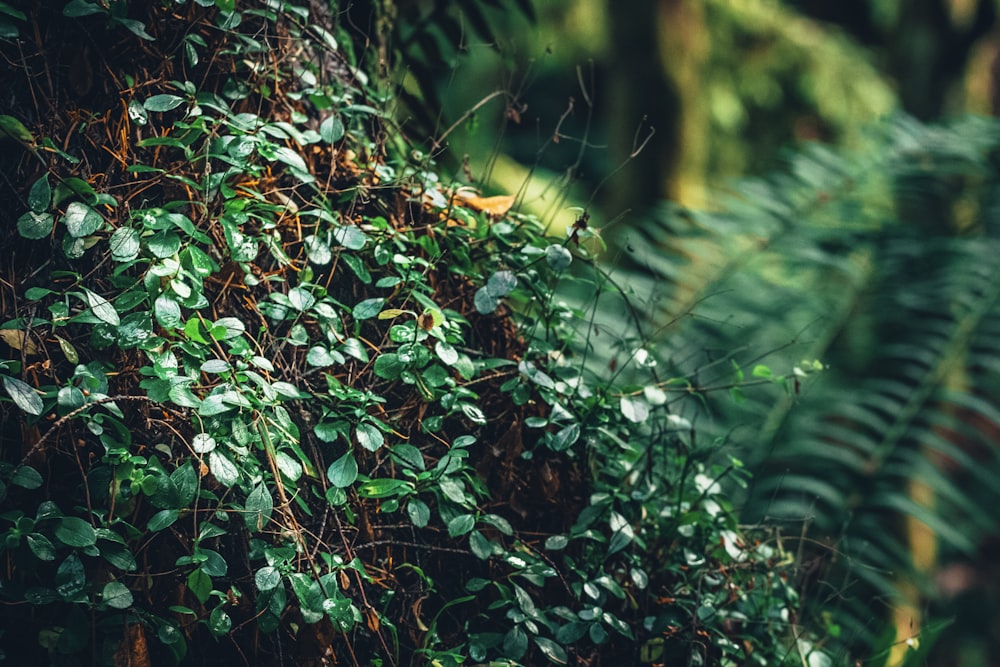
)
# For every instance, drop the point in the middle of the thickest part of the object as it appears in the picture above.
(270, 381)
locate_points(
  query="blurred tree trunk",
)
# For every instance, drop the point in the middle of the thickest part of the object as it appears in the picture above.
(659, 48)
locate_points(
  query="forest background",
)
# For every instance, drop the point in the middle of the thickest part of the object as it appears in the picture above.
(706, 372)
(639, 112)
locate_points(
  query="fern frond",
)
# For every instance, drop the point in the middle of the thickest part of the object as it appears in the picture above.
(884, 265)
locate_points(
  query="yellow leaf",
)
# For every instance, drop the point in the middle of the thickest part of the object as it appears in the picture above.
(497, 206)
(390, 313)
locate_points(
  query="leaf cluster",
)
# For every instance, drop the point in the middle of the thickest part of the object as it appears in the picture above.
(271, 381)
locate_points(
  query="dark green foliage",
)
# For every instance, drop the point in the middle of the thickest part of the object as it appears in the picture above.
(275, 397)
(883, 265)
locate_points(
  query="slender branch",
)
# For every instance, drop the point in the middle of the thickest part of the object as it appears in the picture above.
(67, 417)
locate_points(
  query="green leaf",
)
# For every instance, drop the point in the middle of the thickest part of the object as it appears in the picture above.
(446, 353)
(558, 257)
(318, 250)
(135, 329)
(288, 466)
(500, 523)
(565, 438)
(515, 643)
(259, 507)
(71, 579)
(461, 524)
(620, 539)
(216, 366)
(291, 158)
(202, 443)
(409, 455)
(343, 471)
(37, 293)
(474, 413)
(639, 577)
(196, 331)
(137, 28)
(369, 436)
(41, 547)
(480, 546)
(164, 243)
(384, 488)
(7, 10)
(81, 220)
(35, 226)
(320, 356)
(102, 308)
(68, 350)
(40, 195)
(224, 470)
(351, 237)
(289, 391)
(301, 299)
(15, 129)
(267, 578)
(501, 283)
(185, 478)
(200, 585)
(8, 30)
(75, 532)
(419, 513)
(167, 312)
(454, 491)
(213, 564)
(553, 651)
(231, 328)
(354, 348)
(556, 542)
(26, 477)
(634, 409)
(332, 129)
(116, 595)
(328, 431)
(76, 8)
(484, 302)
(388, 366)
(368, 308)
(118, 556)
(124, 244)
(73, 248)
(23, 395)
(162, 519)
(162, 103)
(476, 584)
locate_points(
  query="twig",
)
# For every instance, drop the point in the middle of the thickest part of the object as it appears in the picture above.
(65, 418)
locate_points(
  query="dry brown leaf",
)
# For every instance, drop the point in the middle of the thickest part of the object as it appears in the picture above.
(497, 206)
(372, 620)
(16, 338)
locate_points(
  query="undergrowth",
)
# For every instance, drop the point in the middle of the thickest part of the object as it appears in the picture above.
(275, 394)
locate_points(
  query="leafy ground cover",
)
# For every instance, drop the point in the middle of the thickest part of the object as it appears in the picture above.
(276, 395)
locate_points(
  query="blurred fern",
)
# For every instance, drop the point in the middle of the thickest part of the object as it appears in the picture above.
(884, 265)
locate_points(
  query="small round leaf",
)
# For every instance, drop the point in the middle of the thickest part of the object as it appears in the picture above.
(343, 471)
(116, 595)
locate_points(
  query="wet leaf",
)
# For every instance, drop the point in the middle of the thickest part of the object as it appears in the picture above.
(343, 471)
(162, 103)
(23, 395)
(116, 595)
(81, 220)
